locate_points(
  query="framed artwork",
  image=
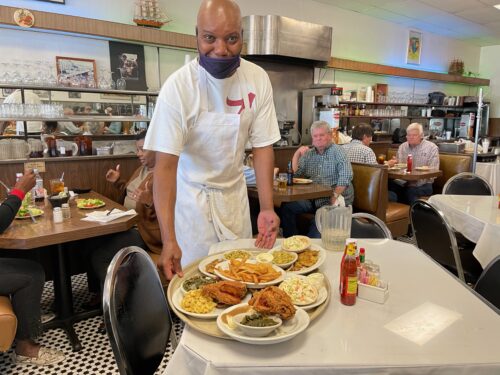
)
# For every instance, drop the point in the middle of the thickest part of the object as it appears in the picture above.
(54, 1)
(128, 65)
(72, 71)
(414, 48)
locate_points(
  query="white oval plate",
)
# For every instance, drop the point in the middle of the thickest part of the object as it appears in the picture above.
(288, 330)
(203, 264)
(179, 295)
(319, 263)
(225, 266)
(322, 294)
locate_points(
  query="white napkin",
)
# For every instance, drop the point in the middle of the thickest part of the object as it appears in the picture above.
(339, 202)
(102, 217)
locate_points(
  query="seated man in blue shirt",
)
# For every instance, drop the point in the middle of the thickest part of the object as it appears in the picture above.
(325, 164)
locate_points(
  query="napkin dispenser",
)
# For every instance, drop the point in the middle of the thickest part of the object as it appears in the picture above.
(455, 148)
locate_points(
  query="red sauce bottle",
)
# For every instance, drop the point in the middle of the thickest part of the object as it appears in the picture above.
(349, 277)
(409, 163)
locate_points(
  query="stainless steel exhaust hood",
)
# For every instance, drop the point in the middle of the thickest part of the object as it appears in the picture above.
(283, 37)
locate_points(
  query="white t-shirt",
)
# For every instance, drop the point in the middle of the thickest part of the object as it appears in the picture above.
(29, 98)
(179, 104)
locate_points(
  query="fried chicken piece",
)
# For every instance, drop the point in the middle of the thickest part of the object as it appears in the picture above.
(273, 300)
(226, 292)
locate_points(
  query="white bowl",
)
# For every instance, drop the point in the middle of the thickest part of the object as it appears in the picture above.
(256, 331)
(303, 243)
(287, 264)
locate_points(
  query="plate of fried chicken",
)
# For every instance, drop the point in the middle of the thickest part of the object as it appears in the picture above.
(210, 300)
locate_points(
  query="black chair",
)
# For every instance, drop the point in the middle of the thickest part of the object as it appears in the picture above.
(136, 313)
(488, 284)
(436, 237)
(365, 225)
(467, 183)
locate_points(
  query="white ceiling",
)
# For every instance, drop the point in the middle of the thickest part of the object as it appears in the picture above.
(473, 21)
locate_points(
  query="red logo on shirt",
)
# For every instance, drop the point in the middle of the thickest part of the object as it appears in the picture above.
(240, 102)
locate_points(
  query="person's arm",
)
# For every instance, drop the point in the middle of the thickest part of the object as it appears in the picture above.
(296, 157)
(164, 196)
(267, 221)
(434, 158)
(344, 177)
(10, 206)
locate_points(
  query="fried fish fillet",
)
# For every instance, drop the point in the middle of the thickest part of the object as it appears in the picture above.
(273, 300)
(226, 292)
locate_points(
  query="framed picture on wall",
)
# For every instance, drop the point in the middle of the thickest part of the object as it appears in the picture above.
(128, 65)
(54, 1)
(414, 48)
(76, 72)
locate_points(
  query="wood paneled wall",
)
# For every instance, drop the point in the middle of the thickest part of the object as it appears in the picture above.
(79, 172)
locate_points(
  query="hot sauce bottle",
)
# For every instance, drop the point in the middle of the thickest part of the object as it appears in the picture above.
(349, 276)
(409, 163)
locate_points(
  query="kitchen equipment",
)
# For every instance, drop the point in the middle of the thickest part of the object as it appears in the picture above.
(436, 98)
(456, 148)
(70, 148)
(318, 103)
(334, 224)
(279, 36)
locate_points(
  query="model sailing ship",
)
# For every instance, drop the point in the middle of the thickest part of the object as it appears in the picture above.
(148, 13)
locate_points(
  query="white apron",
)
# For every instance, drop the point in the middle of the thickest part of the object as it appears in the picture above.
(212, 201)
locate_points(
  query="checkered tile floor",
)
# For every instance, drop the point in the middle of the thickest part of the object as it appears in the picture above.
(96, 356)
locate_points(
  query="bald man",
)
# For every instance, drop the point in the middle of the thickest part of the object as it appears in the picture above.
(205, 114)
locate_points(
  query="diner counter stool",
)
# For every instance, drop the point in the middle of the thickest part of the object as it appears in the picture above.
(8, 324)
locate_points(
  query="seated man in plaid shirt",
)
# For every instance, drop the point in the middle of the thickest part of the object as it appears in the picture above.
(325, 164)
(358, 150)
(424, 153)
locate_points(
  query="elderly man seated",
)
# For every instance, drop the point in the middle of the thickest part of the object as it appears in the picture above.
(424, 153)
(325, 164)
(358, 150)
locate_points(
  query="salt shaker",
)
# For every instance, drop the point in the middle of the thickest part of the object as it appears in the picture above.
(66, 211)
(57, 215)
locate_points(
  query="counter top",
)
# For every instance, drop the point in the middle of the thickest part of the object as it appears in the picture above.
(69, 158)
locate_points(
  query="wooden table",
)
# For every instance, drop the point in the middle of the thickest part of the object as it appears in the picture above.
(296, 192)
(24, 234)
(401, 174)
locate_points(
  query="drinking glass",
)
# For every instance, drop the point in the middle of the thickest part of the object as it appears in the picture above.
(56, 186)
(282, 178)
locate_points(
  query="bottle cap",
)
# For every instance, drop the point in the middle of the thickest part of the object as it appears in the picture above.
(362, 250)
(35, 170)
(351, 240)
(65, 205)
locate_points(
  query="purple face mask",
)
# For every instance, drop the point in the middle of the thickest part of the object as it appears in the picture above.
(221, 67)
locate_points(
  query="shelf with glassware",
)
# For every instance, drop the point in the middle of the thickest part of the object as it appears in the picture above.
(385, 117)
(99, 106)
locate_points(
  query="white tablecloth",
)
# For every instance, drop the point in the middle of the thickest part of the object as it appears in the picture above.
(477, 218)
(448, 329)
(491, 172)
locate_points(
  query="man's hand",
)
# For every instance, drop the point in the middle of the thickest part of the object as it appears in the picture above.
(27, 182)
(302, 150)
(113, 174)
(333, 199)
(267, 223)
(170, 260)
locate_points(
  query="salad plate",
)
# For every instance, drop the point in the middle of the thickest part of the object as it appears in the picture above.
(88, 204)
(24, 214)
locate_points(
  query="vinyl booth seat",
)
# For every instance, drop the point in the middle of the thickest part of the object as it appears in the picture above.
(8, 324)
(371, 196)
